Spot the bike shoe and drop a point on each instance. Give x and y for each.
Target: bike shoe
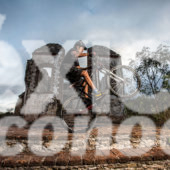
(98, 95)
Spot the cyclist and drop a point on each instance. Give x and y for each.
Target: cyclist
(75, 72)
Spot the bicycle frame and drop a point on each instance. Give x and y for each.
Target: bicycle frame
(108, 72)
(114, 76)
(104, 71)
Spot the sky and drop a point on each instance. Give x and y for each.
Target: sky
(124, 26)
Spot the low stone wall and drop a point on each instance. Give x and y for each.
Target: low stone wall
(151, 165)
(155, 158)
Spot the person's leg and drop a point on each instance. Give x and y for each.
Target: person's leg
(88, 79)
(85, 88)
(98, 94)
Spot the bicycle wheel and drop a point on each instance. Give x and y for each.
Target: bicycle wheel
(127, 85)
(72, 107)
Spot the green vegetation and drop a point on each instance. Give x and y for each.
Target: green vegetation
(154, 71)
(9, 112)
(159, 118)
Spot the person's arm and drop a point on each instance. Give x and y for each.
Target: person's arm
(86, 54)
(83, 55)
(79, 55)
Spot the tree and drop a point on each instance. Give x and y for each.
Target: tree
(153, 69)
(166, 81)
(10, 110)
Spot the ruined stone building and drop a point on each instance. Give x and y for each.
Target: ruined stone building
(41, 81)
(44, 85)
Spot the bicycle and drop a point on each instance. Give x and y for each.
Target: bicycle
(83, 105)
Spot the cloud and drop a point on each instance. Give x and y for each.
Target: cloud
(127, 47)
(2, 19)
(7, 100)
(11, 70)
(11, 76)
(32, 45)
(128, 50)
(128, 26)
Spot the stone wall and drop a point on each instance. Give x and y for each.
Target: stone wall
(154, 158)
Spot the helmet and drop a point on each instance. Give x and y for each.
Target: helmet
(80, 44)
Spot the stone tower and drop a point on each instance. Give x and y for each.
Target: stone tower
(41, 81)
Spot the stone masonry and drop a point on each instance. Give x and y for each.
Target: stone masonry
(39, 85)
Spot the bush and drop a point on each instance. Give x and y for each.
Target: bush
(159, 118)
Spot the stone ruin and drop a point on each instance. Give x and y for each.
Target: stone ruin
(39, 85)
(43, 80)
